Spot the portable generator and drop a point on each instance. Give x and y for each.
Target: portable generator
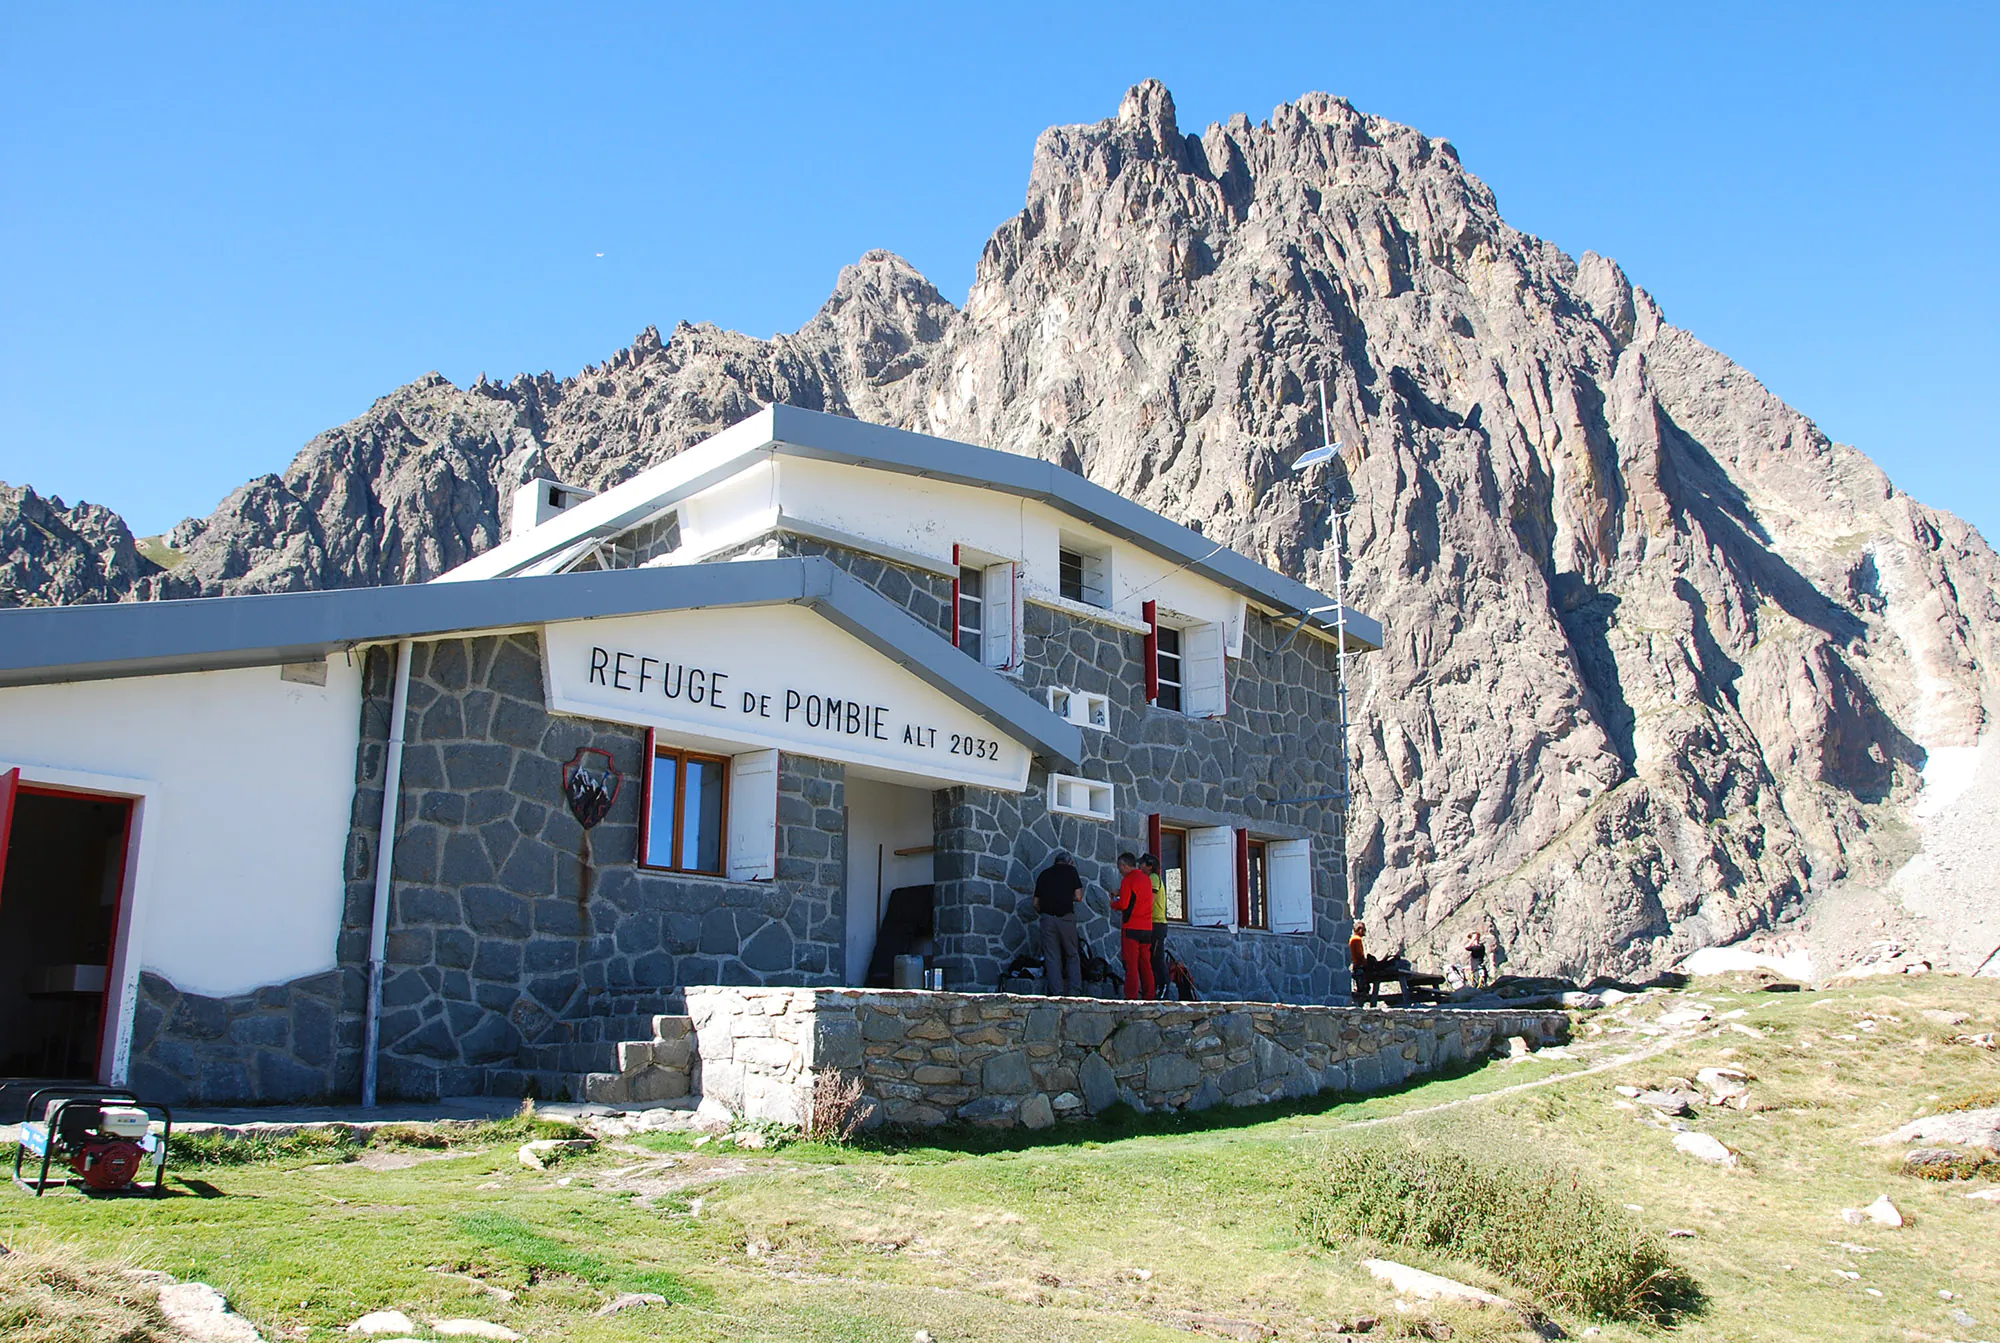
(105, 1137)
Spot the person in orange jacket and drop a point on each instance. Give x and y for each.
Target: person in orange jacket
(1134, 906)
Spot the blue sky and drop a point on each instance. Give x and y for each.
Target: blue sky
(223, 230)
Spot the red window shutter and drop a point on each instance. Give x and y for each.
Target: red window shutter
(10, 783)
(954, 594)
(1151, 611)
(1153, 834)
(646, 802)
(1242, 878)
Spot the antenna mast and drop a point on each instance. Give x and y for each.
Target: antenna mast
(1345, 794)
(1340, 511)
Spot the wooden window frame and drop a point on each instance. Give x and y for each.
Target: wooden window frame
(655, 753)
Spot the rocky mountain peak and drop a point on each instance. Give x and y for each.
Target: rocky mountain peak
(1662, 661)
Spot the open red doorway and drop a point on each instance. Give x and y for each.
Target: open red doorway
(62, 886)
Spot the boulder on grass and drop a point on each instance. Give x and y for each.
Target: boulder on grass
(1705, 1147)
(544, 1152)
(383, 1322)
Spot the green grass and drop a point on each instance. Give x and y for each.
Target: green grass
(1041, 1238)
(539, 1254)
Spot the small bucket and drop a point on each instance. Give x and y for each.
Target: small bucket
(934, 979)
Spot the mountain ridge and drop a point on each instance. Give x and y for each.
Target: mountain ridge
(1663, 659)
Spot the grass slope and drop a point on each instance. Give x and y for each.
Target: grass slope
(1144, 1233)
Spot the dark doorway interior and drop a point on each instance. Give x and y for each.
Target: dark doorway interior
(65, 870)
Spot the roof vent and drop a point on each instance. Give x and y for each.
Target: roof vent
(539, 500)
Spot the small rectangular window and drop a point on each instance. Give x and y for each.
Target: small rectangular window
(1169, 658)
(1083, 573)
(1257, 903)
(1069, 571)
(1081, 707)
(687, 803)
(1173, 872)
(1072, 796)
(972, 612)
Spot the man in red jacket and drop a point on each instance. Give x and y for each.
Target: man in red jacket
(1134, 906)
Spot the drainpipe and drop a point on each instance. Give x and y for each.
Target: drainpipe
(385, 857)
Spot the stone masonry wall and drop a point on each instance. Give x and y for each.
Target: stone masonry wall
(500, 962)
(502, 972)
(296, 1041)
(1002, 1060)
(923, 594)
(1276, 741)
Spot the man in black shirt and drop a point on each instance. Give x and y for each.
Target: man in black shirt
(1056, 894)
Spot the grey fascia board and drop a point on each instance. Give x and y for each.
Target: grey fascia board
(867, 615)
(79, 643)
(837, 438)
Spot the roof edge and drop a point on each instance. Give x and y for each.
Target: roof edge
(54, 645)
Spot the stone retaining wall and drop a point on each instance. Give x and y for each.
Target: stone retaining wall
(1001, 1060)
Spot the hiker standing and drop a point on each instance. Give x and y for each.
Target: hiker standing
(1151, 862)
(1363, 985)
(1056, 892)
(1134, 906)
(1476, 972)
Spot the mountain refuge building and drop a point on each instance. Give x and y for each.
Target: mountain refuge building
(808, 695)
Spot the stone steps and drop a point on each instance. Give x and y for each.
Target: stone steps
(660, 1070)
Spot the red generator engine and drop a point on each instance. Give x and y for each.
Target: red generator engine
(105, 1137)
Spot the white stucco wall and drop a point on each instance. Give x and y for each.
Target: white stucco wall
(930, 516)
(251, 783)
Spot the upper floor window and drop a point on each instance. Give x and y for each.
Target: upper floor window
(1186, 664)
(1083, 573)
(687, 806)
(986, 609)
(972, 612)
(1069, 570)
(1169, 657)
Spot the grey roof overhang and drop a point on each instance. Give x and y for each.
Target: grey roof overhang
(43, 645)
(836, 438)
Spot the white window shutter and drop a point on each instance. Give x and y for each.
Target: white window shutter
(1003, 616)
(1211, 869)
(1288, 880)
(753, 816)
(1203, 667)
